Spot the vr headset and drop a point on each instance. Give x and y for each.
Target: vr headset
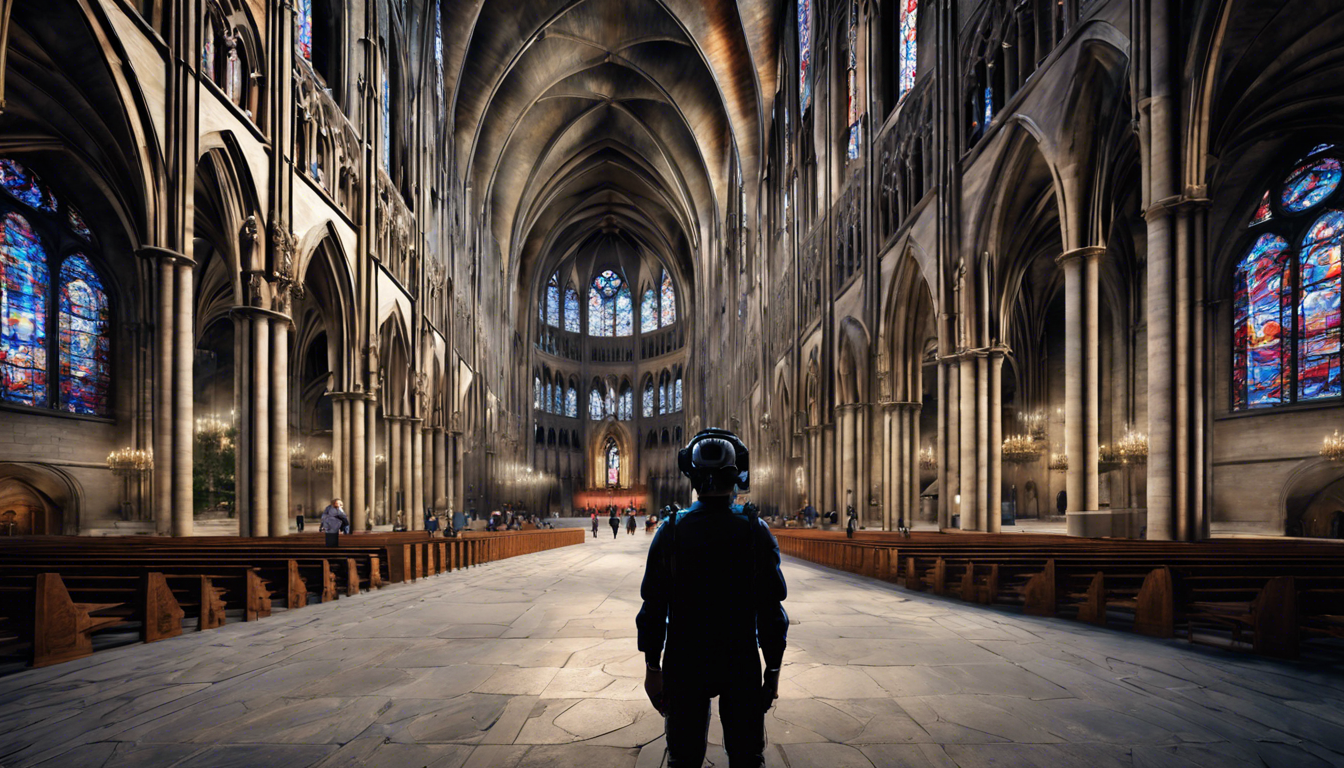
(715, 460)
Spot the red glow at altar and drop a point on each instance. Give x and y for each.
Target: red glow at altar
(601, 498)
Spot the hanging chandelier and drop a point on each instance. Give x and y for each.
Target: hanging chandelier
(1059, 462)
(1132, 448)
(1333, 447)
(928, 461)
(1020, 449)
(130, 462)
(298, 456)
(324, 464)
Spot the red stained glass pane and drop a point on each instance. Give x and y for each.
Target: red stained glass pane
(1262, 213)
(1261, 307)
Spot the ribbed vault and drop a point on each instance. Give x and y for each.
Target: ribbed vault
(577, 116)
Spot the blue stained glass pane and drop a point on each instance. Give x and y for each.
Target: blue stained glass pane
(625, 313)
(546, 397)
(648, 399)
(625, 409)
(1261, 303)
(989, 104)
(648, 312)
(662, 399)
(24, 283)
(536, 392)
(23, 184)
(669, 300)
(387, 122)
(853, 151)
(571, 309)
(572, 402)
(553, 303)
(1319, 309)
(304, 20)
(595, 405)
(598, 323)
(559, 398)
(1310, 184)
(908, 45)
(677, 397)
(804, 54)
(1316, 150)
(85, 344)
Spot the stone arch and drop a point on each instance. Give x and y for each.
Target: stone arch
(597, 456)
(50, 498)
(1314, 486)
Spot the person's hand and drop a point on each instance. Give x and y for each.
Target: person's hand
(769, 689)
(653, 687)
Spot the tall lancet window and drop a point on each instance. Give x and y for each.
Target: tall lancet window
(669, 300)
(571, 309)
(303, 32)
(852, 82)
(909, 48)
(613, 462)
(553, 301)
(648, 312)
(804, 55)
(610, 309)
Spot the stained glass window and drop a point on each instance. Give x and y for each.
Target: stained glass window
(208, 47)
(595, 405)
(989, 105)
(676, 398)
(559, 401)
(613, 462)
(1261, 311)
(536, 392)
(304, 21)
(24, 284)
(625, 407)
(546, 397)
(648, 399)
(1316, 150)
(571, 309)
(804, 54)
(85, 344)
(648, 312)
(625, 313)
(1318, 309)
(387, 122)
(610, 312)
(77, 222)
(553, 301)
(572, 402)
(852, 82)
(1310, 184)
(909, 48)
(1262, 212)
(438, 52)
(668, 300)
(25, 187)
(662, 397)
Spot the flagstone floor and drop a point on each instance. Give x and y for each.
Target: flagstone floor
(532, 662)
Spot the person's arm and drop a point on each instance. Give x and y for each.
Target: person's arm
(772, 622)
(651, 622)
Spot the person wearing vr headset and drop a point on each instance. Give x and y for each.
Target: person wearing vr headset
(712, 591)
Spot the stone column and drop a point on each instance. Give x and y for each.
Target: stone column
(359, 493)
(441, 469)
(173, 418)
(993, 443)
(845, 460)
(457, 481)
(370, 449)
(969, 465)
(338, 439)
(948, 449)
(418, 473)
(407, 473)
(1081, 386)
(279, 427)
(256, 404)
(394, 461)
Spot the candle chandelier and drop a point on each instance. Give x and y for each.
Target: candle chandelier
(130, 462)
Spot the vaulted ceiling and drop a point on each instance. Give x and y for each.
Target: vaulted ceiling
(572, 117)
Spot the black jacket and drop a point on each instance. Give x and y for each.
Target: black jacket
(723, 595)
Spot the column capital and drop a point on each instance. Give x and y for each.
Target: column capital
(1193, 199)
(1079, 254)
(902, 405)
(242, 310)
(165, 254)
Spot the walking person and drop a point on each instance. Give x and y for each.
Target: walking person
(615, 523)
(712, 581)
(630, 524)
(334, 520)
(594, 524)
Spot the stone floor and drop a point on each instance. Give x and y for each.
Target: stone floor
(532, 662)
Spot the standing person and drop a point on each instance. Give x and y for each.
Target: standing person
(713, 581)
(614, 522)
(334, 520)
(594, 524)
(630, 525)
